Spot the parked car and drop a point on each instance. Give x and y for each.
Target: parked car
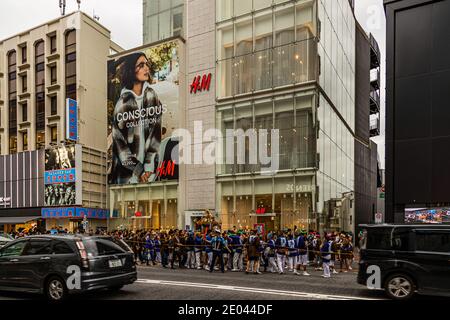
(49, 264)
(4, 239)
(411, 259)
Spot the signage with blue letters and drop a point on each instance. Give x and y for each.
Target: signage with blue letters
(72, 119)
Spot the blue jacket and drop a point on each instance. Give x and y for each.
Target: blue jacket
(198, 241)
(208, 247)
(292, 248)
(281, 245)
(236, 241)
(217, 244)
(325, 252)
(157, 245)
(301, 245)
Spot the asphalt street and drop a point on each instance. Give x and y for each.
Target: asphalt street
(157, 283)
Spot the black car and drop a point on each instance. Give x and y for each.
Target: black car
(411, 259)
(62, 264)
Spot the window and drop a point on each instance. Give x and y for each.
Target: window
(53, 77)
(53, 106)
(37, 247)
(270, 48)
(53, 44)
(40, 139)
(433, 241)
(400, 240)
(379, 239)
(24, 54)
(12, 143)
(54, 134)
(24, 84)
(24, 112)
(13, 250)
(25, 141)
(101, 247)
(60, 247)
(71, 64)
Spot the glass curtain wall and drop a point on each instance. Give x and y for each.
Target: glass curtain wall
(272, 47)
(162, 19)
(290, 114)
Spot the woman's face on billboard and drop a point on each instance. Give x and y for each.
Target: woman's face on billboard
(142, 69)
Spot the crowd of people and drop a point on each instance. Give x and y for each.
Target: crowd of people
(236, 250)
(239, 251)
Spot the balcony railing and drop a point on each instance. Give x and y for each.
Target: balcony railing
(267, 69)
(375, 127)
(375, 79)
(374, 102)
(375, 55)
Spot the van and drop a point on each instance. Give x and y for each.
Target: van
(410, 259)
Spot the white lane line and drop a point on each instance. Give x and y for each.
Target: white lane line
(253, 290)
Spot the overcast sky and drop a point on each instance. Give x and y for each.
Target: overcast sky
(124, 19)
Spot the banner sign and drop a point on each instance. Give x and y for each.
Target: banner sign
(60, 176)
(141, 146)
(72, 120)
(76, 213)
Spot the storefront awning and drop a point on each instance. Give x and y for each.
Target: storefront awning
(16, 220)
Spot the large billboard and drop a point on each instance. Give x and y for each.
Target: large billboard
(62, 176)
(143, 104)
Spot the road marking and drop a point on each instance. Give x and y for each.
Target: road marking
(253, 290)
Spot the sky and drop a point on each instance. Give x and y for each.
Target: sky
(124, 19)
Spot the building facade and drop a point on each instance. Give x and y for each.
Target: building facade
(286, 65)
(39, 70)
(417, 134)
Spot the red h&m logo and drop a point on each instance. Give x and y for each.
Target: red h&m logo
(167, 168)
(261, 211)
(201, 83)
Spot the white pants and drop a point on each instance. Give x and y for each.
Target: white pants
(158, 257)
(272, 265)
(237, 261)
(281, 259)
(326, 269)
(291, 263)
(210, 256)
(302, 260)
(198, 262)
(190, 262)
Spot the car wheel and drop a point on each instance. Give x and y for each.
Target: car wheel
(116, 288)
(399, 287)
(55, 289)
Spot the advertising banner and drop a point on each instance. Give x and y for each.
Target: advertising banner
(74, 213)
(62, 176)
(143, 104)
(72, 120)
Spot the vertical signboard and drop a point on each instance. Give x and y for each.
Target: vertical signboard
(62, 176)
(71, 120)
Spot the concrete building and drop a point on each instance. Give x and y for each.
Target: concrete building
(286, 65)
(39, 69)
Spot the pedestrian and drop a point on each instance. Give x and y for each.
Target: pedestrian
(208, 250)
(281, 252)
(302, 246)
(270, 250)
(217, 245)
(190, 242)
(198, 248)
(335, 248)
(252, 253)
(158, 249)
(292, 253)
(325, 251)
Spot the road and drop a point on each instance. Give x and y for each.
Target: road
(157, 283)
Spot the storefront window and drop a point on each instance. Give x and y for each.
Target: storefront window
(169, 220)
(130, 208)
(244, 122)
